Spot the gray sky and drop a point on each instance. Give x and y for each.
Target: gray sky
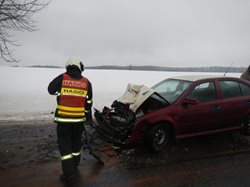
(140, 32)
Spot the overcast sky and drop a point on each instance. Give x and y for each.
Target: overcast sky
(140, 32)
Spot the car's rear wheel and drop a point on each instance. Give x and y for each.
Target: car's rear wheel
(157, 137)
(246, 126)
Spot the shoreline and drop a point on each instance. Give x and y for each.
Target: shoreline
(30, 118)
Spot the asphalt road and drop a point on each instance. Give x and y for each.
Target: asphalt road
(228, 170)
(214, 160)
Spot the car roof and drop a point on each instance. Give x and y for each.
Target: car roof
(193, 78)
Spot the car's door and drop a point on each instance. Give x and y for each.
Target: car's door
(235, 102)
(204, 116)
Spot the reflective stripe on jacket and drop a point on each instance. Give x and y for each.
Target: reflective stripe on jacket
(72, 100)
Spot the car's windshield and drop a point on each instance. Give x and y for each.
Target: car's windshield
(171, 89)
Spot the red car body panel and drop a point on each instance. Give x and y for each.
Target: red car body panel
(187, 120)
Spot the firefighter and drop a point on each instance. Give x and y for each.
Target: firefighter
(74, 99)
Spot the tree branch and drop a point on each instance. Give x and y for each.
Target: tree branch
(16, 15)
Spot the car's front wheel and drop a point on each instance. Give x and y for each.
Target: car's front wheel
(157, 137)
(246, 126)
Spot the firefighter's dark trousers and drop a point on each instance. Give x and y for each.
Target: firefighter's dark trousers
(69, 144)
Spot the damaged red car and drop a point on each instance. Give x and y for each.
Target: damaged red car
(176, 108)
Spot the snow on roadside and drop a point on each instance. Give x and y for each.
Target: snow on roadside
(24, 96)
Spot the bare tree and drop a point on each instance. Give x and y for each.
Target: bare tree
(15, 15)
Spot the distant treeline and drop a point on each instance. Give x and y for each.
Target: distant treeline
(40, 66)
(160, 68)
(183, 69)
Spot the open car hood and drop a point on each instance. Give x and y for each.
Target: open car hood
(135, 95)
(115, 124)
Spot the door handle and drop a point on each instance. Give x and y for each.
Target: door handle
(217, 108)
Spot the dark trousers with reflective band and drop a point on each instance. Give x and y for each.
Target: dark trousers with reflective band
(69, 144)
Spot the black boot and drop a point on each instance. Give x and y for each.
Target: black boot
(69, 180)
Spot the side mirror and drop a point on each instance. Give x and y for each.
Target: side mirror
(191, 101)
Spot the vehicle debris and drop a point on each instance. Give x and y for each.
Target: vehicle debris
(115, 124)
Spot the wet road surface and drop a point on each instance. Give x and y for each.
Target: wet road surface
(214, 160)
(227, 170)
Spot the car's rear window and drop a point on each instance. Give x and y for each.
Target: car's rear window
(230, 89)
(245, 89)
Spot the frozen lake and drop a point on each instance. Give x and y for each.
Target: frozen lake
(24, 95)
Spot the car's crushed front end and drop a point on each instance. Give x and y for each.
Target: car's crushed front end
(117, 124)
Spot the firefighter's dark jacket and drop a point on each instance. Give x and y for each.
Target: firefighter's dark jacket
(56, 84)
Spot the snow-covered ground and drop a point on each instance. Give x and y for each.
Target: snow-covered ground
(24, 95)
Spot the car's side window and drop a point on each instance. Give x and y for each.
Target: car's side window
(204, 92)
(230, 89)
(245, 89)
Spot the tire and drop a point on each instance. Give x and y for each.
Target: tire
(157, 137)
(246, 126)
